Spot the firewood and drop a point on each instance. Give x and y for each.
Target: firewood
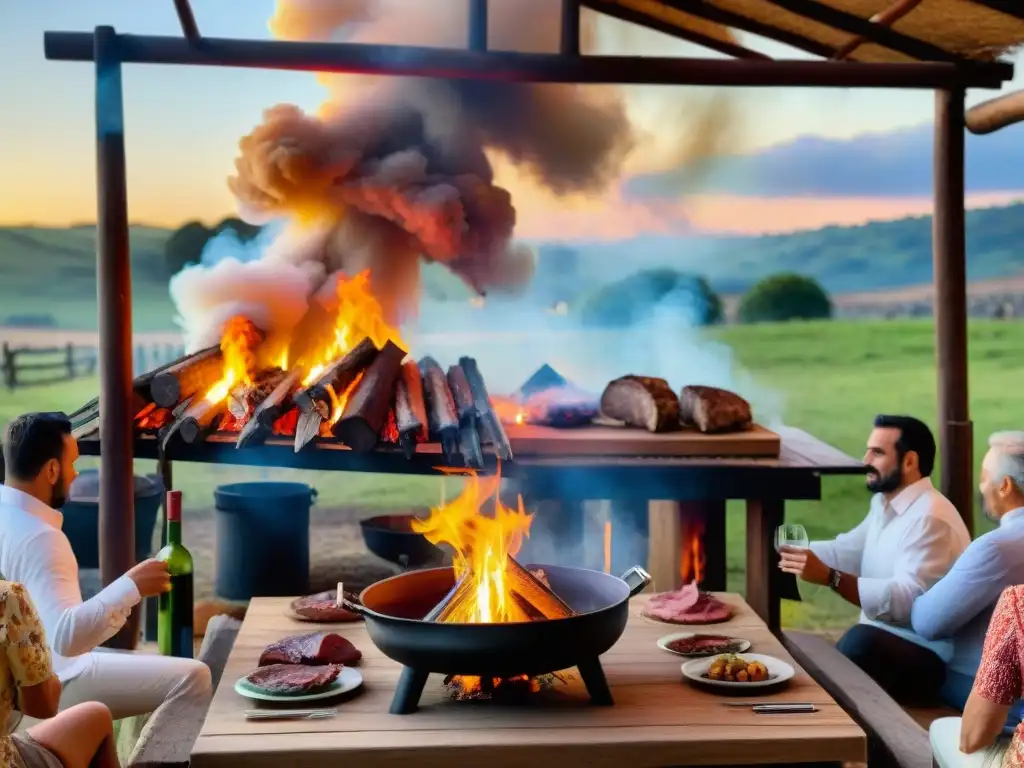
(244, 400)
(536, 592)
(469, 438)
(338, 377)
(190, 375)
(260, 425)
(441, 417)
(491, 429)
(410, 409)
(307, 428)
(457, 594)
(367, 407)
(197, 421)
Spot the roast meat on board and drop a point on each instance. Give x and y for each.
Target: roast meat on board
(646, 402)
(710, 409)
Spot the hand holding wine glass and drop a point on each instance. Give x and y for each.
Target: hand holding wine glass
(791, 536)
(793, 545)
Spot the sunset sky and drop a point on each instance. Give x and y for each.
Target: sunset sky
(183, 125)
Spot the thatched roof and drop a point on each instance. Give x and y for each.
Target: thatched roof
(915, 30)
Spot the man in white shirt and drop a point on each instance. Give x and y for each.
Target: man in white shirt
(40, 454)
(910, 538)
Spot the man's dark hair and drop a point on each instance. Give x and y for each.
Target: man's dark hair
(32, 440)
(914, 436)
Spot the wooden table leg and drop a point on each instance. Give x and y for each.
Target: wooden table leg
(763, 517)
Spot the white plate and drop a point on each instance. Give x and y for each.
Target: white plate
(778, 672)
(348, 680)
(741, 644)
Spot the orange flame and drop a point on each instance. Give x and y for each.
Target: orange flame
(691, 556)
(608, 546)
(238, 345)
(482, 544)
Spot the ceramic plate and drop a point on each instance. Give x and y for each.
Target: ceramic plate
(778, 672)
(348, 680)
(291, 613)
(740, 645)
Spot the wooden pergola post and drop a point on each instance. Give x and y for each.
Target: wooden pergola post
(955, 431)
(114, 294)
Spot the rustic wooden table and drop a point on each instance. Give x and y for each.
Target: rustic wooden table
(657, 720)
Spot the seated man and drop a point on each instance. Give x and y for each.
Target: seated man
(909, 539)
(40, 455)
(79, 737)
(960, 605)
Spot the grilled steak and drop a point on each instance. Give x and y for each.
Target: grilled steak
(687, 605)
(313, 649)
(291, 679)
(323, 608)
(642, 401)
(710, 409)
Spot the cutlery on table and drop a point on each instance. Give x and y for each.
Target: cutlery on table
(780, 708)
(289, 714)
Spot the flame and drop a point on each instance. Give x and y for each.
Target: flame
(608, 546)
(482, 544)
(691, 556)
(238, 345)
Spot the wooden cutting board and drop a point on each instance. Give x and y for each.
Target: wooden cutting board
(599, 440)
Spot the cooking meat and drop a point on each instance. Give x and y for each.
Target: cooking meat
(292, 679)
(561, 407)
(642, 401)
(323, 608)
(687, 605)
(313, 649)
(710, 409)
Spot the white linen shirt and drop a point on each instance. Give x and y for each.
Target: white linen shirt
(35, 552)
(897, 552)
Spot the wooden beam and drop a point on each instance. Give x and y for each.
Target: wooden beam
(1009, 7)
(991, 115)
(525, 67)
(950, 268)
(855, 25)
(187, 19)
(570, 42)
(886, 18)
(631, 16)
(114, 297)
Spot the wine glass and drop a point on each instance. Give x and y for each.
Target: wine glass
(791, 536)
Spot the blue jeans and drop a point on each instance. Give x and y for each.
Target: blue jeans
(957, 688)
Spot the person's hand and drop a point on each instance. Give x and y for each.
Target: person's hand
(803, 563)
(151, 577)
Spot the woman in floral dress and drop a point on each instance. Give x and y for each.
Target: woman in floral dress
(974, 739)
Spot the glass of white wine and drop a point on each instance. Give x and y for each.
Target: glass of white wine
(791, 536)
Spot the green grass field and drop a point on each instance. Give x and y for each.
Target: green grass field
(835, 375)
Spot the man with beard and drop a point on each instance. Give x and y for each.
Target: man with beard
(960, 605)
(909, 540)
(40, 454)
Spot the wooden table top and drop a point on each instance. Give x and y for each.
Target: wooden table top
(657, 720)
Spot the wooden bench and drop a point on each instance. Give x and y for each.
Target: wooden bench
(162, 736)
(897, 737)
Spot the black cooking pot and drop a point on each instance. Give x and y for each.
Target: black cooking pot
(392, 538)
(394, 609)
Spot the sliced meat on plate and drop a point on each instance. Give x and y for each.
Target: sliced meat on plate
(312, 649)
(687, 605)
(324, 608)
(291, 679)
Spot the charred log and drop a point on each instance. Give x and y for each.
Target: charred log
(441, 416)
(307, 428)
(389, 432)
(244, 400)
(193, 374)
(260, 425)
(469, 438)
(367, 408)
(197, 421)
(337, 378)
(410, 409)
(491, 429)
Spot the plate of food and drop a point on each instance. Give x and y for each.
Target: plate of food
(323, 608)
(700, 646)
(738, 671)
(296, 683)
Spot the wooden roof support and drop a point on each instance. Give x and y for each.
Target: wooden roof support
(187, 19)
(1009, 7)
(525, 67)
(886, 18)
(623, 13)
(991, 115)
(713, 13)
(875, 33)
(570, 39)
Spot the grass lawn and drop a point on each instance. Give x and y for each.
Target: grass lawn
(835, 376)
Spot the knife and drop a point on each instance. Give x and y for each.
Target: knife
(289, 714)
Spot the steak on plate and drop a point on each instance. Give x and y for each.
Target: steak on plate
(704, 645)
(646, 402)
(324, 608)
(687, 605)
(290, 679)
(710, 409)
(313, 649)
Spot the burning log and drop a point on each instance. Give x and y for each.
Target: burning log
(338, 377)
(245, 399)
(469, 438)
(198, 420)
(410, 409)
(196, 373)
(491, 428)
(367, 408)
(260, 425)
(441, 418)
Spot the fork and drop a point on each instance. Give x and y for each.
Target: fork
(289, 714)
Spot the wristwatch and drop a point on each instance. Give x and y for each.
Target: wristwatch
(834, 577)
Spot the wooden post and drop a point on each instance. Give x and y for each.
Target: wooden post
(570, 43)
(7, 365)
(114, 283)
(955, 431)
(763, 574)
(69, 360)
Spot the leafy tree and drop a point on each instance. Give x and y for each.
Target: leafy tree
(639, 296)
(243, 230)
(185, 246)
(786, 296)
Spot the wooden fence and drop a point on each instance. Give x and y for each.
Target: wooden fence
(36, 366)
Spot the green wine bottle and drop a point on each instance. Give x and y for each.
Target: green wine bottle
(174, 618)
